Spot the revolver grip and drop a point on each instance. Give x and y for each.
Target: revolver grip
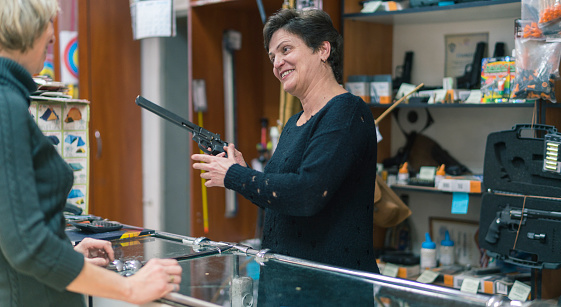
(493, 231)
(215, 148)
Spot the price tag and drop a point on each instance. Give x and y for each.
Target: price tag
(428, 277)
(519, 292)
(427, 172)
(437, 96)
(370, 7)
(390, 269)
(460, 201)
(404, 88)
(470, 285)
(474, 96)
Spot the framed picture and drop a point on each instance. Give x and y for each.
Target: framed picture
(460, 49)
(464, 233)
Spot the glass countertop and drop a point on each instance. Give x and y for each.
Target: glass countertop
(227, 274)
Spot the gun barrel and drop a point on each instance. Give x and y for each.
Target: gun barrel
(533, 213)
(204, 138)
(165, 114)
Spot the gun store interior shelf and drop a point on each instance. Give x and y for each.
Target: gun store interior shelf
(455, 105)
(414, 188)
(466, 11)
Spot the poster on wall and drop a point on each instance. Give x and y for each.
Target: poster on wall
(460, 49)
(65, 122)
(69, 57)
(152, 18)
(49, 66)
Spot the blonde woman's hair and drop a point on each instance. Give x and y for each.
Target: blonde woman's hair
(23, 21)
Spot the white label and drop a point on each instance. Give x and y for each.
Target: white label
(427, 172)
(428, 277)
(390, 270)
(519, 291)
(470, 285)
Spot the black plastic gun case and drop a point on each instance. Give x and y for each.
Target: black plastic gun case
(520, 218)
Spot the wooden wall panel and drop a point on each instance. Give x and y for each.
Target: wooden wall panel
(553, 117)
(208, 24)
(110, 79)
(368, 48)
(368, 51)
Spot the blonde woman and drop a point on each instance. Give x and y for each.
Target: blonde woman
(38, 265)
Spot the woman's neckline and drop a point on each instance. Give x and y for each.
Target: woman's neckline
(298, 124)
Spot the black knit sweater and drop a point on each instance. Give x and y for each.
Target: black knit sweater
(318, 188)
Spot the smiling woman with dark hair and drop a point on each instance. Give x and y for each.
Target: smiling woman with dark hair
(318, 187)
(38, 265)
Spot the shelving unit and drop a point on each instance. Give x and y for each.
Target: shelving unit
(372, 40)
(455, 105)
(467, 11)
(371, 37)
(404, 188)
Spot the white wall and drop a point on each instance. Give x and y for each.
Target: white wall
(165, 147)
(153, 53)
(427, 42)
(151, 135)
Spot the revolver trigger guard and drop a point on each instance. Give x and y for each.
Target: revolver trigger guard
(204, 149)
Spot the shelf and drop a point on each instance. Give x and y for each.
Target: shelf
(455, 105)
(415, 188)
(468, 11)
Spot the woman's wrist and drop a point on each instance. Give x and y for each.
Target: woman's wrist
(127, 290)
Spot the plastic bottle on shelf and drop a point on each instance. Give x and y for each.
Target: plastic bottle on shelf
(440, 174)
(403, 174)
(428, 253)
(447, 255)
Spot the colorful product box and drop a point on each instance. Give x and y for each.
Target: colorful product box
(497, 76)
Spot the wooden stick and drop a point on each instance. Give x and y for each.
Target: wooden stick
(396, 103)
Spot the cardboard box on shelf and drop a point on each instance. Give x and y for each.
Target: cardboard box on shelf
(460, 185)
(381, 89)
(403, 271)
(447, 273)
(359, 85)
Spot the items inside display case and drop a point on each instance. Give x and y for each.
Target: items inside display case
(229, 274)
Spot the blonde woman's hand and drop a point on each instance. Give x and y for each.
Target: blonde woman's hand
(155, 279)
(98, 252)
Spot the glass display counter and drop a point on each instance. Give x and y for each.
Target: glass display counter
(231, 274)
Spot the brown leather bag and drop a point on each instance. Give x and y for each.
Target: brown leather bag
(389, 209)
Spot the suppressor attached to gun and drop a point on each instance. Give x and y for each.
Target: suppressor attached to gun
(204, 138)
